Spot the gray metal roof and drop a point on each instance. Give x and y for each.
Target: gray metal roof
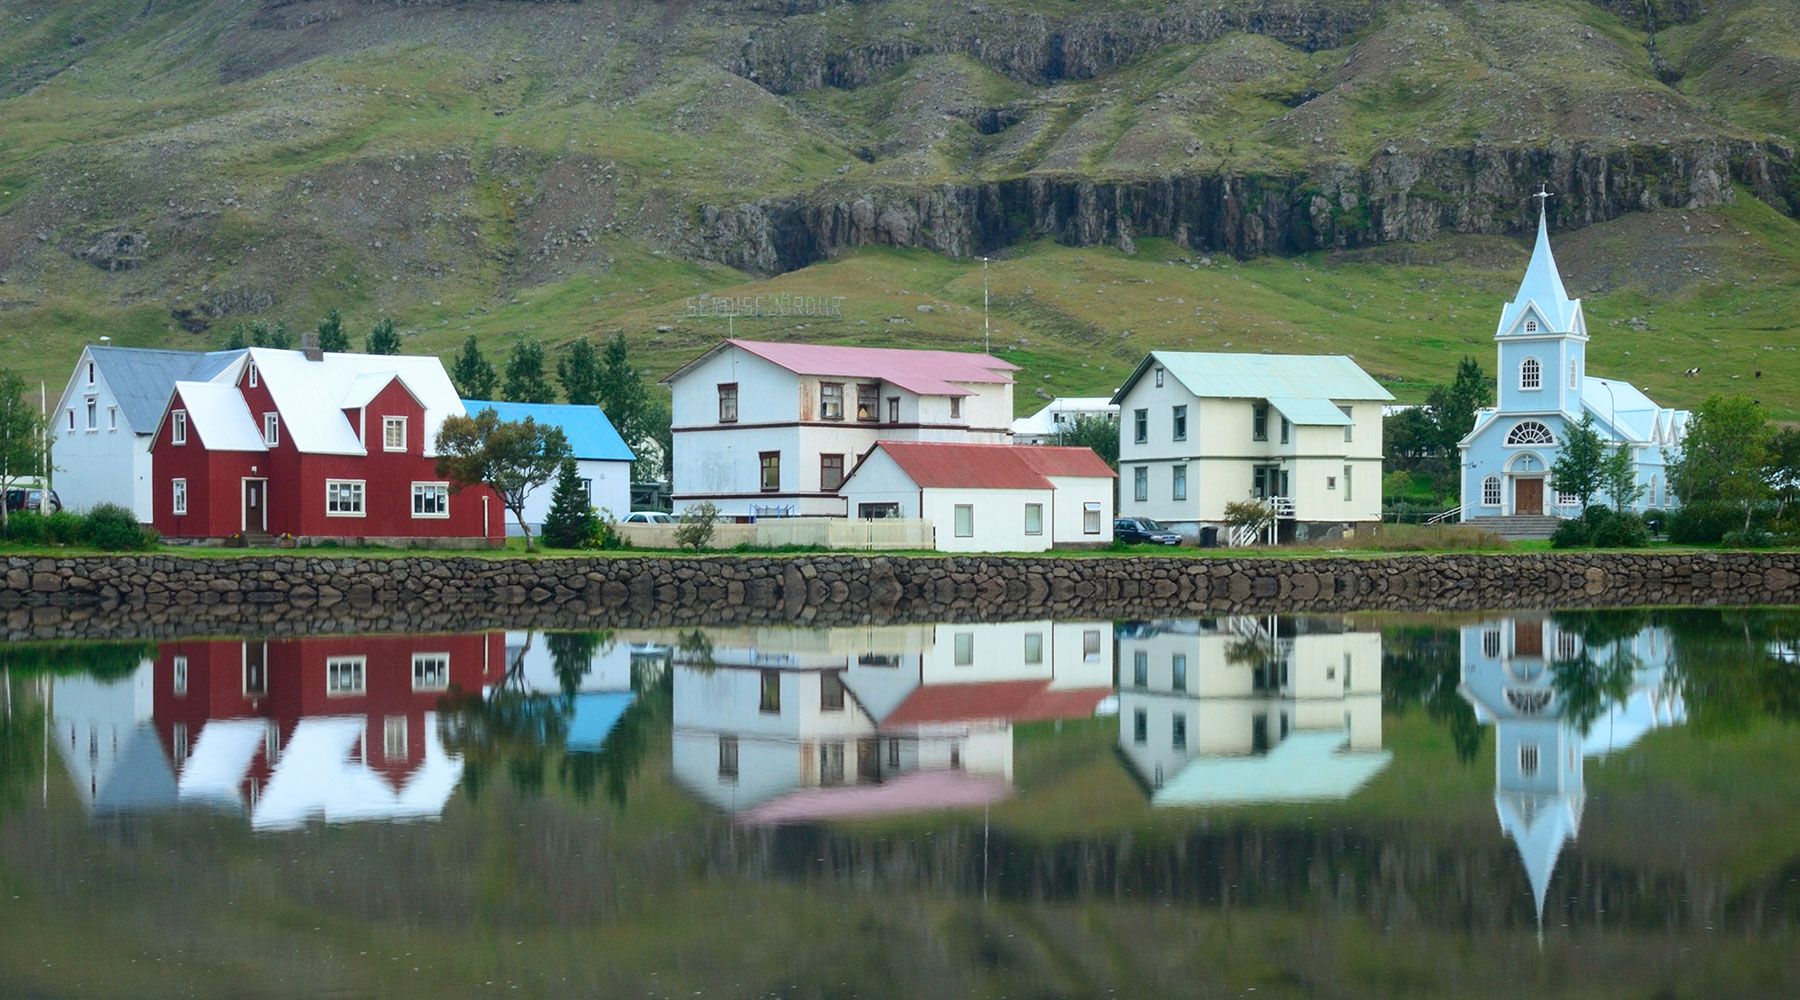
(1264, 376)
(141, 379)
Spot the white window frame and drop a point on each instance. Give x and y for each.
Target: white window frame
(112, 418)
(1531, 375)
(388, 424)
(178, 496)
(1034, 647)
(178, 427)
(963, 520)
(440, 488)
(1178, 418)
(1490, 491)
(963, 649)
(361, 488)
(1348, 493)
(1349, 428)
(1030, 509)
(250, 371)
(1528, 760)
(1140, 483)
(90, 373)
(431, 671)
(393, 737)
(271, 430)
(1573, 368)
(178, 680)
(1178, 481)
(1517, 434)
(93, 414)
(1531, 326)
(1331, 484)
(359, 668)
(1091, 517)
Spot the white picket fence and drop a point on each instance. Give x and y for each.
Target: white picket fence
(821, 532)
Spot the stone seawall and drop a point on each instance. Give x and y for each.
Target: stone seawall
(165, 595)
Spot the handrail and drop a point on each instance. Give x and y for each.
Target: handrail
(1454, 513)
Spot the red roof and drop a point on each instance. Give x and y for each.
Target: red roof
(937, 464)
(929, 373)
(1014, 701)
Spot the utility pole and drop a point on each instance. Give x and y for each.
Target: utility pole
(985, 329)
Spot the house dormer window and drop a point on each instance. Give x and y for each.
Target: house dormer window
(252, 375)
(271, 429)
(90, 373)
(831, 401)
(178, 427)
(1159, 378)
(393, 433)
(1531, 375)
(1531, 326)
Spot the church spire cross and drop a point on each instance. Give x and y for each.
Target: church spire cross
(1543, 196)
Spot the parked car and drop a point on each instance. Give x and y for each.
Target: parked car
(1143, 530)
(648, 517)
(30, 499)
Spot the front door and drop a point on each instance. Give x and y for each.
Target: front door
(256, 514)
(1528, 496)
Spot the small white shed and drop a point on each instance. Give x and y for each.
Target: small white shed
(987, 497)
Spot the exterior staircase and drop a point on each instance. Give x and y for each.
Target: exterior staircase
(258, 540)
(1518, 527)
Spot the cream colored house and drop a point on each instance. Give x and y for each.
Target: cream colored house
(771, 430)
(988, 497)
(1300, 432)
(1248, 709)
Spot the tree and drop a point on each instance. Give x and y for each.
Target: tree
(1618, 477)
(473, 373)
(382, 339)
(1410, 437)
(279, 337)
(1090, 431)
(655, 446)
(694, 529)
(331, 334)
(512, 457)
(525, 379)
(1453, 407)
(579, 372)
(1725, 456)
(256, 333)
(625, 400)
(21, 438)
(1784, 467)
(1579, 466)
(571, 521)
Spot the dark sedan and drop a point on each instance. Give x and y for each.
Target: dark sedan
(1142, 530)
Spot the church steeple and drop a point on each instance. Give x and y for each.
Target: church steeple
(1541, 293)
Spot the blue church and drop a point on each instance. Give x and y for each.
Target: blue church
(1543, 390)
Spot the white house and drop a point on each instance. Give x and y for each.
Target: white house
(1246, 709)
(987, 497)
(1543, 389)
(104, 421)
(1047, 425)
(1300, 432)
(770, 430)
(601, 455)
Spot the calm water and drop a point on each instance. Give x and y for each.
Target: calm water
(1583, 804)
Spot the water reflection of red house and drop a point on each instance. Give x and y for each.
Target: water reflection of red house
(366, 700)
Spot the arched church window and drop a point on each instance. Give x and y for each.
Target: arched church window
(1490, 643)
(1531, 326)
(1490, 491)
(1528, 759)
(1531, 374)
(1529, 432)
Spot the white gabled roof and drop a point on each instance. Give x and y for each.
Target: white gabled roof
(1322, 377)
(216, 412)
(313, 395)
(1043, 422)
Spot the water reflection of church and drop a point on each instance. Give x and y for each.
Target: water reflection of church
(1510, 672)
(287, 731)
(789, 724)
(1243, 709)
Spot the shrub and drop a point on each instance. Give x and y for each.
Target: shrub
(603, 534)
(1755, 538)
(64, 527)
(1572, 534)
(1705, 523)
(112, 528)
(1618, 530)
(695, 530)
(26, 527)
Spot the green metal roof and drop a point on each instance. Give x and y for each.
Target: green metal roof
(1309, 412)
(1265, 376)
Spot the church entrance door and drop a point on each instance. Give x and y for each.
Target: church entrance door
(1528, 496)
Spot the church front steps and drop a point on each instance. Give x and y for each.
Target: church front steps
(1518, 527)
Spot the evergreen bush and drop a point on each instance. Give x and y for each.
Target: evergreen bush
(571, 519)
(1705, 522)
(112, 528)
(26, 527)
(64, 527)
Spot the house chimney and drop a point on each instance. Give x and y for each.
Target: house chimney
(309, 346)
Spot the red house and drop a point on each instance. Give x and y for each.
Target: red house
(317, 446)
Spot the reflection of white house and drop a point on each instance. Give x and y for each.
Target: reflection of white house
(105, 733)
(1539, 783)
(785, 724)
(1047, 425)
(1243, 710)
(323, 773)
(987, 497)
(770, 429)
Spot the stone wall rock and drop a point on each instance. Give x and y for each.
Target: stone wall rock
(166, 595)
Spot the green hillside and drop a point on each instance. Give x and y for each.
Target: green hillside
(168, 170)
